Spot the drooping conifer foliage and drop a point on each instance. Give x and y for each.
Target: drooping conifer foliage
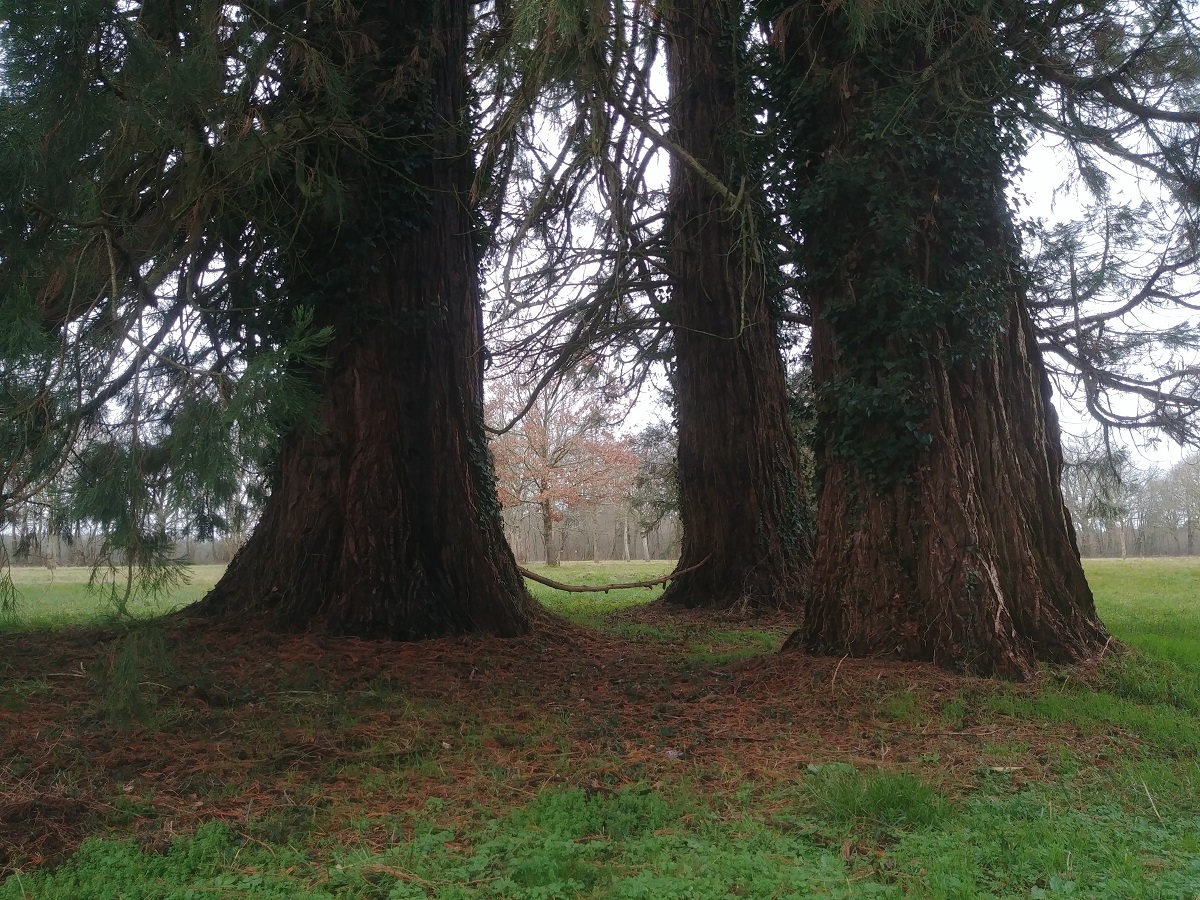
(241, 235)
(239, 242)
(1112, 292)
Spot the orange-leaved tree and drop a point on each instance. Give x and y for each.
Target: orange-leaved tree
(562, 456)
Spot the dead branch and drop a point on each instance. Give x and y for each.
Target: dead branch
(605, 588)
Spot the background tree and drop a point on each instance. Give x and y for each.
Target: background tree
(1186, 477)
(1098, 484)
(741, 489)
(254, 220)
(655, 492)
(561, 457)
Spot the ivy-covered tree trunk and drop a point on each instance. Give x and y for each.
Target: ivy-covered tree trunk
(383, 521)
(942, 533)
(971, 561)
(740, 482)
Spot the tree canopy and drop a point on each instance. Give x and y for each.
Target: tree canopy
(243, 249)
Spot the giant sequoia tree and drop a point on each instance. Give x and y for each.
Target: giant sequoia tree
(247, 227)
(685, 277)
(741, 488)
(942, 533)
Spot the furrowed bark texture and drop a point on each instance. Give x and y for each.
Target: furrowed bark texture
(740, 480)
(973, 564)
(942, 534)
(384, 522)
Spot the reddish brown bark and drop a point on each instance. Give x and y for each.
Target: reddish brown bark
(973, 562)
(385, 522)
(941, 534)
(739, 469)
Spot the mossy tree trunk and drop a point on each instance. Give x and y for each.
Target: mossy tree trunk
(970, 562)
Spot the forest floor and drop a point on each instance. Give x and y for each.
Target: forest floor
(619, 750)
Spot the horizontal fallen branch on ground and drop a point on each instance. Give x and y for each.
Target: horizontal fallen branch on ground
(605, 588)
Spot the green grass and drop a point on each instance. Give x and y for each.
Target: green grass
(1055, 840)
(843, 796)
(1098, 711)
(1042, 815)
(718, 646)
(698, 643)
(62, 598)
(1153, 607)
(565, 843)
(1152, 604)
(846, 834)
(594, 608)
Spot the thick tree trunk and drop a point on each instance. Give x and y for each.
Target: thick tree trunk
(741, 488)
(383, 521)
(942, 532)
(971, 563)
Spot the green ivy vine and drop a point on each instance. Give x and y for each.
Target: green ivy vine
(898, 134)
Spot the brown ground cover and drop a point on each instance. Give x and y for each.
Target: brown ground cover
(341, 739)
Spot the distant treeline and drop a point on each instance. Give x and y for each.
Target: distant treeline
(607, 532)
(1122, 510)
(87, 548)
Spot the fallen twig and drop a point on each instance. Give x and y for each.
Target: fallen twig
(1153, 805)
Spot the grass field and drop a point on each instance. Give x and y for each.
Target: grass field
(1153, 604)
(628, 753)
(59, 598)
